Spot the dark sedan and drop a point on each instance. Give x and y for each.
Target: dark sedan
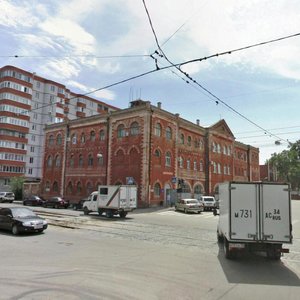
(56, 202)
(33, 200)
(20, 219)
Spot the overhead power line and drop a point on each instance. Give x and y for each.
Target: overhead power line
(72, 56)
(217, 100)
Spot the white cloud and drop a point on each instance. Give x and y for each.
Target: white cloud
(103, 94)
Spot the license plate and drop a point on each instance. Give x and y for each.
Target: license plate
(236, 245)
(38, 226)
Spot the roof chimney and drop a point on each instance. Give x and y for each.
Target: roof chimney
(198, 122)
(159, 105)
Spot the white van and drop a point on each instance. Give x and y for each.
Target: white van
(209, 202)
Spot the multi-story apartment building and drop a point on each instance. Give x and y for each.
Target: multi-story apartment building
(27, 103)
(160, 152)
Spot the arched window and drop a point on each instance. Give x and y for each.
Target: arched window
(182, 139)
(90, 160)
(51, 140)
(47, 186)
(214, 147)
(198, 189)
(189, 141)
(121, 131)
(102, 135)
(80, 160)
(89, 188)
(168, 159)
(168, 133)
(72, 161)
(78, 188)
(55, 187)
(49, 161)
(201, 166)
(180, 160)
(92, 136)
(195, 165)
(157, 189)
(74, 139)
(215, 167)
(219, 169)
(57, 161)
(82, 138)
(134, 128)
(58, 140)
(157, 129)
(157, 153)
(100, 159)
(188, 164)
(120, 156)
(70, 188)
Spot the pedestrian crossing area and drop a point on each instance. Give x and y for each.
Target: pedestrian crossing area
(206, 214)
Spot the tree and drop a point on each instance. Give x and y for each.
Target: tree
(286, 165)
(16, 184)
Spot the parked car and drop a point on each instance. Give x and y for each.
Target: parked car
(33, 200)
(189, 205)
(56, 202)
(7, 197)
(21, 219)
(209, 202)
(79, 205)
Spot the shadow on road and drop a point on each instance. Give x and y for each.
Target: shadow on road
(256, 269)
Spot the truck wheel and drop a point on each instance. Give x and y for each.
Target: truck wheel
(100, 212)
(220, 237)
(273, 252)
(85, 211)
(123, 214)
(109, 214)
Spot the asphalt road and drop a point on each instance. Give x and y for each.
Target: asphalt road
(153, 255)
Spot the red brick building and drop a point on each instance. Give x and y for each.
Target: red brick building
(157, 149)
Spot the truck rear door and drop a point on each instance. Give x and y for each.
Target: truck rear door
(244, 224)
(276, 213)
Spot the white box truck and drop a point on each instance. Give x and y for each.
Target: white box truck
(254, 217)
(112, 200)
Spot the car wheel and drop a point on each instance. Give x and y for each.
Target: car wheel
(185, 211)
(15, 230)
(56, 206)
(24, 203)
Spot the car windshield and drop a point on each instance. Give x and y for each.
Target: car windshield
(22, 212)
(208, 199)
(191, 201)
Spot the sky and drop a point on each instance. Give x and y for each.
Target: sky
(94, 44)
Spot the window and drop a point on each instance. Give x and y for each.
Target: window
(55, 187)
(51, 140)
(218, 148)
(189, 141)
(219, 169)
(134, 128)
(121, 131)
(74, 139)
(224, 150)
(180, 162)
(195, 165)
(168, 159)
(157, 153)
(188, 164)
(214, 167)
(92, 136)
(182, 139)
(59, 139)
(201, 166)
(90, 160)
(57, 161)
(79, 188)
(102, 135)
(80, 160)
(157, 129)
(72, 161)
(100, 160)
(82, 138)
(214, 147)
(31, 160)
(168, 133)
(49, 161)
(157, 190)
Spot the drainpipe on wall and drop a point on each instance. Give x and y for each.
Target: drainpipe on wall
(207, 164)
(150, 155)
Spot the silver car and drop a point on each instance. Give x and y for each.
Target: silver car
(189, 205)
(209, 202)
(7, 197)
